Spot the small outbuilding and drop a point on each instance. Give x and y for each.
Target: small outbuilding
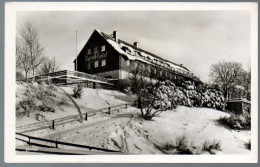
(238, 106)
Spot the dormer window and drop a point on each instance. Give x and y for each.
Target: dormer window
(128, 51)
(138, 54)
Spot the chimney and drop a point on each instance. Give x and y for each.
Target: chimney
(136, 44)
(115, 35)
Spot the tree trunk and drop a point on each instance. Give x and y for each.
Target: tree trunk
(142, 112)
(26, 76)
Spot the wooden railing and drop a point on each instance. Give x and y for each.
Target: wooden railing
(53, 123)
(71, 73)
(35, 141)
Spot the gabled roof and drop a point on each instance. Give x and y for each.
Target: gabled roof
(142, 55)
(145, 56)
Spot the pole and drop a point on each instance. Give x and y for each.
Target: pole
(76, 62)
(53, 126)
(86, 117)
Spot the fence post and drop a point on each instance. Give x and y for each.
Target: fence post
(29, 141)
(109, 110)
(53, 125)
(86, 116)
(56, 143)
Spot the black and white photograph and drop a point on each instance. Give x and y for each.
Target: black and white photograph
(131, 82)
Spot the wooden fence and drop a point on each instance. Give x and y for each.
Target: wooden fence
(34, 141)
(67, 77)
(59, 121)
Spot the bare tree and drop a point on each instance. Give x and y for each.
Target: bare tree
(139, 77)
(226, 75)
(18, 54)
(48, 65)
(22, 58)
(29, 51)
(245, 81)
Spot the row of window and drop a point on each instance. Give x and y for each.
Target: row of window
(134, 64)
(150, 69)
(155, 61)
(97, 63)
(97, 49)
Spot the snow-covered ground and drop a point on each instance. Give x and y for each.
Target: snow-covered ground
(127, 132)
(92, 99)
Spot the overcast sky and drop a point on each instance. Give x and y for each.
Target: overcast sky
(195, 39)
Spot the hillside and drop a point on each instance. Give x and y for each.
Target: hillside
(124, 130)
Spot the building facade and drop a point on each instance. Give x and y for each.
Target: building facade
(107, 56)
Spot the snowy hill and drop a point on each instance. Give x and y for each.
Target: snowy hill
(126, 131)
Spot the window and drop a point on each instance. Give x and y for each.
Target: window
(95, 49)
(103, 62)
(89, 51)
(161, 73)
(96, 64)
(89, 65)
(103, 48)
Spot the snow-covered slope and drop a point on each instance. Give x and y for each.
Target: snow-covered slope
(92, 99)
(127, 132)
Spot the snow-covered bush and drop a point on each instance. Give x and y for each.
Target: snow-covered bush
(39, 117)
(46, 108)
(240, 122)
(189, 95)
(125, 86)
(211, 147)
(248, 145)
(157, 98)
(165, 95)
(36, 97)
(202, 96)
(25, 107)
(63, 101)
(184, 146)
(77, 91)
(181, 146)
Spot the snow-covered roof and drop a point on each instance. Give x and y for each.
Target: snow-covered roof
(238, 100)
(141, 55)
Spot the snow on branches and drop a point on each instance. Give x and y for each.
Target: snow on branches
(166, 95)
